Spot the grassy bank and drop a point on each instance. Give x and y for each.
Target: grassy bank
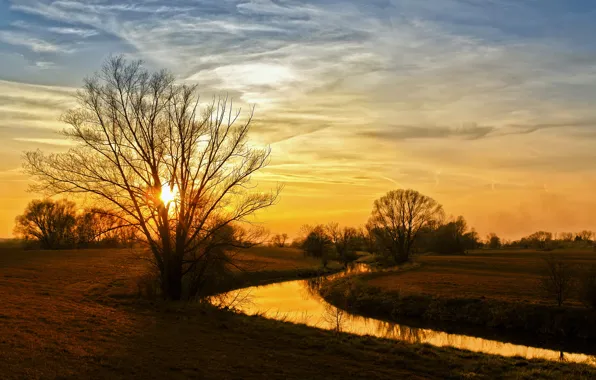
(496, 290)
(267, 265)
(64, 316)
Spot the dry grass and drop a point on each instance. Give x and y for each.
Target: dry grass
(273, 258)
(68, 314)
(511, 276)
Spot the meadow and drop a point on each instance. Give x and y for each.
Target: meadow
(76, 314)
(504, 275)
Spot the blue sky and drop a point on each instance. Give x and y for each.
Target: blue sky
(476, 102)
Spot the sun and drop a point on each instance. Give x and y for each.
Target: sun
(167, 194)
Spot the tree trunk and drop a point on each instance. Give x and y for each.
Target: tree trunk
(171, 279)
(402, 253)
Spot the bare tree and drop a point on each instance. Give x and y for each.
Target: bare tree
(493, 241)
(155, 159)
(96, 225)
(51, 223)
(566, 236)
(344, 240)
(540, 239)
(317, 243)
(558, 280)
(585, 235)
(369, 238)
(397, 218)
(334, 318)
(279, 240)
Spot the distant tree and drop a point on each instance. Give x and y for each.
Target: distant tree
(585, 235)
(558, 280)
(345, 241)
(280, 240)
(98, 226)
(471, 240)
(540, 239)
(566, 236)
(493, 241)
(398, 216)
(51, 223)
(317, 243)
(176, 171)
(369, 239)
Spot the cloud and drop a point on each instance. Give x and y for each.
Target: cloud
(37, 45)
(411, 132)
(79, 32)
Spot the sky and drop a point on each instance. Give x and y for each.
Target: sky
(488, 106)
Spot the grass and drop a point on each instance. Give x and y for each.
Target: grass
(510, 276)
(70, 314)
(266, 265)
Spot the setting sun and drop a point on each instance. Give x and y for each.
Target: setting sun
(168, 194)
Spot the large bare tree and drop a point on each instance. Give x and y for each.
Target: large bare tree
(398, 216)
(176, 171)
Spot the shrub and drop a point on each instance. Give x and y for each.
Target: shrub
(558, 280)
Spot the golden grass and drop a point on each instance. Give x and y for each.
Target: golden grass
(273, 258)
(504, 275)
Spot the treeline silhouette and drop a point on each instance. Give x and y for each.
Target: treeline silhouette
(543, 240)
(49, 224)
(404, 222)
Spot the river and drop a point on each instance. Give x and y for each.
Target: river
(299, 302)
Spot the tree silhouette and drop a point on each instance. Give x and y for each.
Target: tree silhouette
(317, 243)
(558, 280)
(345, 240)
(279, 240)
(155, 159)
(398, 216)
(493, 241)
(51, 223)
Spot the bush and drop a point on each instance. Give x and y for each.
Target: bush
(558, 280)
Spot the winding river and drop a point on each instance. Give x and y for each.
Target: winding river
(299, 302)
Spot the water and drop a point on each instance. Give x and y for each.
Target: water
(299, 302)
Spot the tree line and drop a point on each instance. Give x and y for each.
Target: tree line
(50, 224)
(402, 222)
(543, 240)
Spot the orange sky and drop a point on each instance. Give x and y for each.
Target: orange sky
(495, 121)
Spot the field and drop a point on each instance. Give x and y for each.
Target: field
(511, 276)
(277, 259)
(74, 314)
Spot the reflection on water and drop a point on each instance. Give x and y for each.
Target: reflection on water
(300, 302)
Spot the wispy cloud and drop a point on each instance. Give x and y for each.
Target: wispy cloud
(84, 33)
(37, 45)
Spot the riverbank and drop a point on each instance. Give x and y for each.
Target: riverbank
(422, 293)
(64, 316)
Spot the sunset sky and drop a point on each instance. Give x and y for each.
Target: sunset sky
(488, 106)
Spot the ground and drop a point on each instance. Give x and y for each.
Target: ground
(504, 275)
(73, 314)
